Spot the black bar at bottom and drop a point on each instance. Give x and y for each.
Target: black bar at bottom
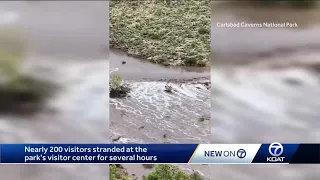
(306, 154)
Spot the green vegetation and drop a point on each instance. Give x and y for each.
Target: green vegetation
(19, 93)
(117, 172)
(161, 172)
(170, 172)
(168, 32)
(12, 51)
(117, 88)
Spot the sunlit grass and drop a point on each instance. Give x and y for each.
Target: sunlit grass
(12, 53)
(163, 32)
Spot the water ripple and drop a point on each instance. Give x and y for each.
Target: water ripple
(174, 114)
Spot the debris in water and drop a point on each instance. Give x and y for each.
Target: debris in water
(168, 88)
(165, 136)
(293, 81)
(204, 118)
(148, 166)
(116, 139)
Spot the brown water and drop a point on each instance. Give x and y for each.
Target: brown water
(137, 70)
(65, 42)
(150, 113)
(263, 87)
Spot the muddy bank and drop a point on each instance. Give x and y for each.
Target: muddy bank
(136, 69)
(264, 88)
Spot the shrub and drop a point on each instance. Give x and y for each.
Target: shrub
(117, 88)
(170, 172)
(117, 172)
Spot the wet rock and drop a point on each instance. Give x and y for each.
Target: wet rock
(148, 166)
(204, 118)
(120, 92)
(24, 96)
(168, 89)
(293, 81)
(116, 138)
(119, 166)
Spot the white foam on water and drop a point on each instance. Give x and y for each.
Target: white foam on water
(175, 113)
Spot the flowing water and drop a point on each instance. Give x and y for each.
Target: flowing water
(265, 85)
(151, 115)
(67, 46)
(65, 42)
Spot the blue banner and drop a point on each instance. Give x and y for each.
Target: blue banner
(97, 153)
(161, 153)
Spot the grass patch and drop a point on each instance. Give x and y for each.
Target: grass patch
(117, 172)
(12, 52)
(118, 89)
(162, 31)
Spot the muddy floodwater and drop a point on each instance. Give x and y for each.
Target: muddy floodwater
(152, 115)
(265, 85)
(66, 45)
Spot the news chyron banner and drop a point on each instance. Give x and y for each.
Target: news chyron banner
(160, 153)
